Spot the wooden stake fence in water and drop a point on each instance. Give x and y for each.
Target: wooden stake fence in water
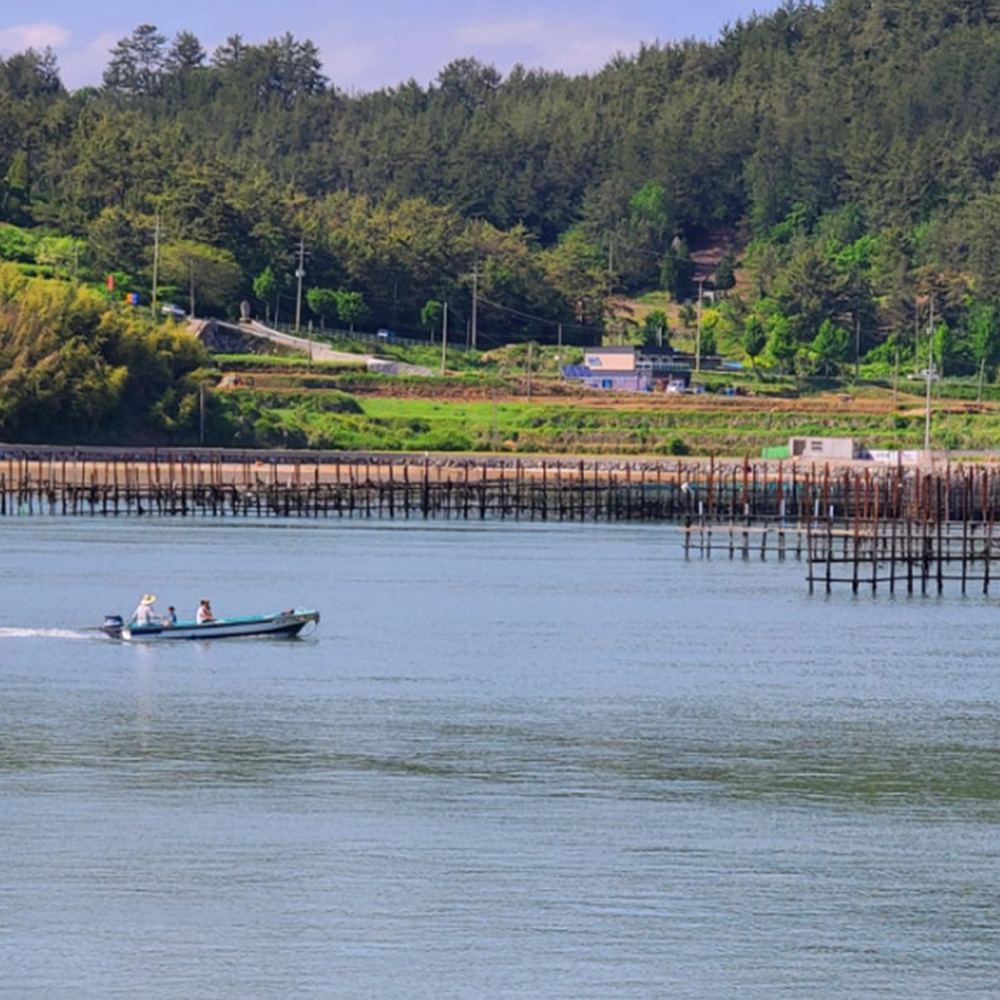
(864, 526)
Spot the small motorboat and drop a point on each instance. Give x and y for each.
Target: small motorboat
(277, 623)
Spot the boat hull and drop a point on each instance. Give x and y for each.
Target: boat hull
(282, 623)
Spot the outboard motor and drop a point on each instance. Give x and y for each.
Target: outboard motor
(113, 625)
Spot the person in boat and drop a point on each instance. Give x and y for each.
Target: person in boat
(170, 618)
(204, 612)
(145, 613)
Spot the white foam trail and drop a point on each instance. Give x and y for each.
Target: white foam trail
(44, 633)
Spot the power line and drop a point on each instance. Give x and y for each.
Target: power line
(541, 319)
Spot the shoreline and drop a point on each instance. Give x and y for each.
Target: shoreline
(86, 466)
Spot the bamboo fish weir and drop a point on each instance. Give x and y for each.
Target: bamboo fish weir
(859, 524)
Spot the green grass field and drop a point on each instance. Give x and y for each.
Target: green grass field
(339, 420)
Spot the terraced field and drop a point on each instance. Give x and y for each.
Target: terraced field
(519, 415)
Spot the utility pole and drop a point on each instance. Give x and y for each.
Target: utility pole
(697, 345)
(191, 280)
(927, 412)
(857, 345)
(928, 376)
(300, 273)
(156, 261)
(496, 422)
(201, 413)
(444, 338)
(475, 300)
(895, 379)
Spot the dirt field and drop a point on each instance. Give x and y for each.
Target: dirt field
(875, 403)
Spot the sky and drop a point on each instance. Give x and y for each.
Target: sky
(377, 43)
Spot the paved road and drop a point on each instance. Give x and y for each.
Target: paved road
(320, 352)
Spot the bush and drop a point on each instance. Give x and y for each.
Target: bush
(445, 439)
(331, 402)
(17, 244)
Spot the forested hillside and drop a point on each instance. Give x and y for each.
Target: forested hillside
(851, 149)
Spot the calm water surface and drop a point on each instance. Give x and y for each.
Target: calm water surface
(514, 761)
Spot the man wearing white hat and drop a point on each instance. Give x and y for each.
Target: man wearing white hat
(144, 614)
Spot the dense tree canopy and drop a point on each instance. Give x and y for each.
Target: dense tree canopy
(852, 146)
(72, 364)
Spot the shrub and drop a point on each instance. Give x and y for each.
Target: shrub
(445, 439)
(332, 402)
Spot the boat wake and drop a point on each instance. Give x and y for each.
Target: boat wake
(40, 633)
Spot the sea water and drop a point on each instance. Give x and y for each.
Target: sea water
(513, 761)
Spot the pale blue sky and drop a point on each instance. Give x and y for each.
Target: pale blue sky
(367, 45)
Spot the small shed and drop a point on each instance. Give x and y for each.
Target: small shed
(822, 447)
